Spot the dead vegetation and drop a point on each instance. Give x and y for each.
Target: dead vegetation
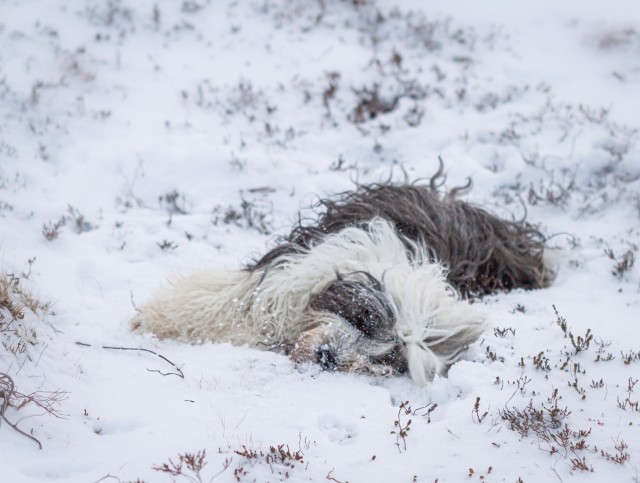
(174, 202)
(623, 264)
(17, 302)
(620, 38)
(402, 427)
(255, 212)
(20, 316)
(45, 401)
(189, 467)
(52, 229)
(415, 64)
(283, 464)
(550, 422)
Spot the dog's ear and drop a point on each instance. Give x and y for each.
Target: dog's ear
(423, 363)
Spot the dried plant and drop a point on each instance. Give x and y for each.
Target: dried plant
(20, 311)
(11, 398)
(498, 332)
(402, 428)
(51, 230)
(621, 456)
(80, 223)
(579, 343)
(16, 302)
(541, 421)
(190, 466)
(173, 202)
(628, 403)
(254, 214)
(475, 412)
(280, 459)
(623, 264)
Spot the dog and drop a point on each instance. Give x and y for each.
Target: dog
(379, 283)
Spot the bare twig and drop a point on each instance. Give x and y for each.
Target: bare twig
(179, 372)
(7, 392)
(331, 478)
(402, 430)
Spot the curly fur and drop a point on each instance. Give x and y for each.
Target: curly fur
(482, 253)
(267, 307)
(373, 286)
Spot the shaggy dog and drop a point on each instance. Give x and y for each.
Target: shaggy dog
(376, 284)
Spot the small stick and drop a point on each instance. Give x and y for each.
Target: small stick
(14, 426)
(331, 478)
(179, 373)
(7, 391)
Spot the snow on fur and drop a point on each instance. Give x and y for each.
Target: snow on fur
(267, 307)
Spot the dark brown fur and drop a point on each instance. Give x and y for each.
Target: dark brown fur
(483, 253)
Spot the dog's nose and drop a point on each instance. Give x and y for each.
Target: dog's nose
(308, 347)
(326, 358)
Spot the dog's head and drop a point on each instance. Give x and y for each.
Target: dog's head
(409, 320)
(352, 327)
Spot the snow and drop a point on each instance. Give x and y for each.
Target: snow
(204, 127)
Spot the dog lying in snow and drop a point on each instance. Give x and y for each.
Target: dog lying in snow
(374, 285)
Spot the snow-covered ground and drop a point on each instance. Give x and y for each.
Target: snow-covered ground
(141, 139)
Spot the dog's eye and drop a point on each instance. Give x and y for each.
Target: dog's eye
(326, 358)
(360, 303)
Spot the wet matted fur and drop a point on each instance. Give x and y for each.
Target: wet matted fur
(376, 284)
(482, 253)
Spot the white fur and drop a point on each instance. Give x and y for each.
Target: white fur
(266, 308)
